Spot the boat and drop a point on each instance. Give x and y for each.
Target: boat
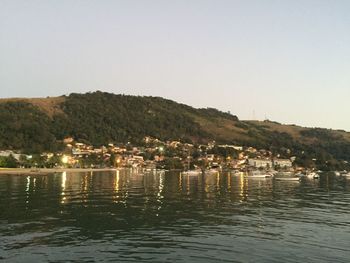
(257, 174)
(192, 172)
(285, 174)
(300, 174)
(287, 178)
(347, 175)
(273, 172)
(313, 175)
(337, 173)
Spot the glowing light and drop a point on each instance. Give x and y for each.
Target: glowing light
(218, 180)
(34, 184)
(28, 184)
(65, 159)
(64, 179)
(180, 181)
(63, 185)
(160, 187)
(116, 181)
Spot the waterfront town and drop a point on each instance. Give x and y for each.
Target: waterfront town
(153, 154)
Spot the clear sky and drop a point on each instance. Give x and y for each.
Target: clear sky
(288, 61)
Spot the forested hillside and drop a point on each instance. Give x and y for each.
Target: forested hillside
(36, 125)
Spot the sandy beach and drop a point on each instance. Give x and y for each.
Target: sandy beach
(28, 171)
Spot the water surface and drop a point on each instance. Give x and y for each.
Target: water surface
(129, 216)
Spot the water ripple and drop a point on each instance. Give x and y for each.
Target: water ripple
(157, 217)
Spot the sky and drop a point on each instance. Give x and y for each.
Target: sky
(287, 61)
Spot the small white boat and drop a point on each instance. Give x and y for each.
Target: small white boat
(192, 172)
(263, 176)
(285, 174)
(300, 174)
(259, 175)
(313, 175)
(272, 172)
(287, 178)
(347, 175)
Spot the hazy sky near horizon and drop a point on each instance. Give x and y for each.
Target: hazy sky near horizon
(288, 61)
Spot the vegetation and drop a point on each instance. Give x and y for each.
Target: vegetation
(101, 118)
(98, 118)
(23, 126)
(8, 162)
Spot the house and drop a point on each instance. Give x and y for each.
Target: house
(8, 153)
(241, 156)
(211, 144)
(210, 157)
(135, 161)
(174, 144)
(283, 163)
(260, 163)
(251, 150)
(237, 148)
(68, 140)
(80, 153)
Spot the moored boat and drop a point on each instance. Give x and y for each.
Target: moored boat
(192, 172)
(347, 175)
(257, 174)
(337, 173)
(313, 175)
(287, 178)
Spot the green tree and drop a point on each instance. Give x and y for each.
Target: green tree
(8, 161)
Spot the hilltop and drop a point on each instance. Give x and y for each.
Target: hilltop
(98, 118)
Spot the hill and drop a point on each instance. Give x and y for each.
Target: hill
(35, 125)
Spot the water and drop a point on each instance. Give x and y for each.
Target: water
(126, 216)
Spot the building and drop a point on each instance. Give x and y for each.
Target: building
(68, 140)
(210, 157)
(237, 148)
(282, 163)
(8, 153)
(251, 150)
(260, 163)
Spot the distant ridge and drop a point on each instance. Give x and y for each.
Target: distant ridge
(40, 124)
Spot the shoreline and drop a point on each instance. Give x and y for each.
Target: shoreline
(30, 171)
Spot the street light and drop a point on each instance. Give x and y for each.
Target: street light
(64, 159)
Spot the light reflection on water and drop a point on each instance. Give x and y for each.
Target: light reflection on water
(130, 215)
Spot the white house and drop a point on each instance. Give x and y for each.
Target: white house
(8, 153)
(283, 163)
(260, 163)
